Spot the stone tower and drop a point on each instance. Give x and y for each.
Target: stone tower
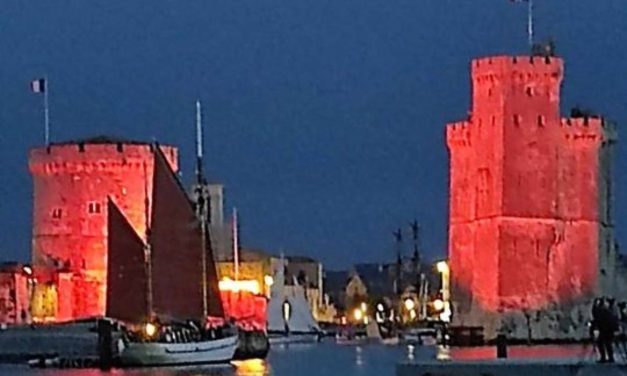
(530, 222)
(72, 182)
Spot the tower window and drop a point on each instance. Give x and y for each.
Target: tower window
(529, 91)
(93, 207)
(56, 213)
(517, 119)
(541, 120)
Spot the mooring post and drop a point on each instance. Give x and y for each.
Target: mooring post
(501, 346)
(105, 339)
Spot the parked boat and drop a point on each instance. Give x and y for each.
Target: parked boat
(164, 288)
(178, 346)
(289, 316)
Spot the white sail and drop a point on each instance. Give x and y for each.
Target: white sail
(298, 312)
(301, 320)
(276, 323)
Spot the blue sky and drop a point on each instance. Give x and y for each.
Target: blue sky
(324, 119)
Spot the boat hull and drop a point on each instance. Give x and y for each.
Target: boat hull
(151, 354)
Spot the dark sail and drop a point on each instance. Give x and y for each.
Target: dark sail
(214, 301)
(176, 242)
(126, 272)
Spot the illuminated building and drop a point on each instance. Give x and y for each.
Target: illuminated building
(16, 283)
(72, 184)
(530, 194)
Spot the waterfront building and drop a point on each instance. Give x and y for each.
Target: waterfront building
(16, 287)
(87, 191)
(531, 231)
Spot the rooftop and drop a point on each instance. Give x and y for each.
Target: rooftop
(102, 140)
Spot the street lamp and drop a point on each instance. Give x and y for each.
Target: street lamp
(409, 304)
(358, 314)
(268, 280)
(438, 305)
(445, 272)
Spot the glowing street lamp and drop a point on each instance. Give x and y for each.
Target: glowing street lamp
(445, 272)
(364, 307)
(438, 305)
(358, 314)
(409, 304)
(268, 280)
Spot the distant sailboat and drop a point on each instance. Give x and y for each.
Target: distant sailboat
(165, 289)
(289, 317)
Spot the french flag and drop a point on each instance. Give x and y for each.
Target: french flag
(38, 85)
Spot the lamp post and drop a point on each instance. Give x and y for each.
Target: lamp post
(445, 274)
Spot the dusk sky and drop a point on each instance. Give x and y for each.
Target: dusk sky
(324, 119)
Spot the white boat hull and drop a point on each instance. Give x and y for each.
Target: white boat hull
(281, 339)
(148, 354)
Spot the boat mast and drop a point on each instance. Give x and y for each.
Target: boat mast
(235, 246)
(398, 237)
(201, 206)
(147, 245)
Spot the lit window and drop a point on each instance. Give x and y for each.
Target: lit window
(93, 207)
(56, 213)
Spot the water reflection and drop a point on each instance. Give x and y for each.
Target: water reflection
(410, 352)
(359, 360)
(251, 367)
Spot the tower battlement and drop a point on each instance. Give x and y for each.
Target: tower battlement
(503, 65)
(516, 83)
(86, 157)
(588, 129)
(458, 134)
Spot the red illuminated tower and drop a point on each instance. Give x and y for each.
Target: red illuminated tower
(530, 193)
(72, 182)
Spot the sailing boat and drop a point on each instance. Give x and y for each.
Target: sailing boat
(289, 317)
(165, 289)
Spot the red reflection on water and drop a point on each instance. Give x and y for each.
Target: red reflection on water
(518, 352)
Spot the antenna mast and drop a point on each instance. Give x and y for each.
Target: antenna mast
(530, 22)
(199, 142)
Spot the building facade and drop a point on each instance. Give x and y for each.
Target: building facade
(16, 288)
(530, 225)
(72, 182)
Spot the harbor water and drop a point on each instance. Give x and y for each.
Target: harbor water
(328, 359)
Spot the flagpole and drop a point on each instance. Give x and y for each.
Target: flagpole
(46, 112)
(530, 22)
